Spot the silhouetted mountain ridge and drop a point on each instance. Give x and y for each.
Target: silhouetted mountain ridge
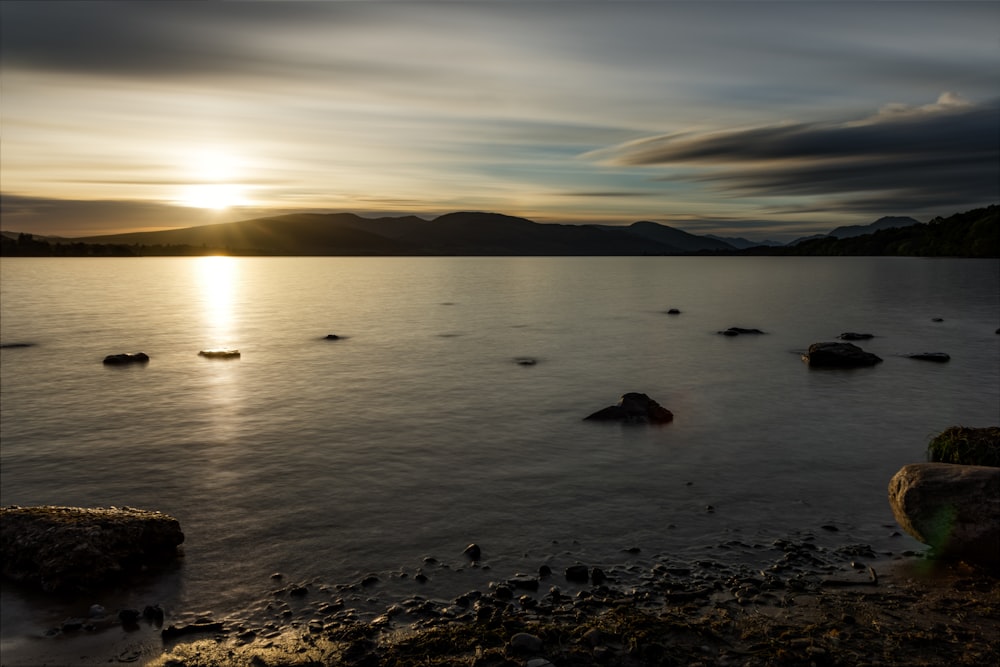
(971, 234)
(459, 233)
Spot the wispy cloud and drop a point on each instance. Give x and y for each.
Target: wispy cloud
(937, 154)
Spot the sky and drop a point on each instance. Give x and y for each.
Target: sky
(766, 120)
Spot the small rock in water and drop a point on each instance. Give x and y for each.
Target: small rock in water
(332, 337)
(578, 573)
(633, 408)
(673, 311)
(126, 358)
(219, 354)
(937, 319)
(525, 361)
(839, 355)
(930, 356)
(736, 331)
(473, 552)
(96, 611)
(850, 335)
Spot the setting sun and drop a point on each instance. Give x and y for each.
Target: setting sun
(216, 196)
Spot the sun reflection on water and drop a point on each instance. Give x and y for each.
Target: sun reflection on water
(217, 276)
(218, 282)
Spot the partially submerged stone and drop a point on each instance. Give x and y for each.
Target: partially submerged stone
(220, 354)
(74, 549)
(955, 509)
(736, 331)
(930, 356)
(839, 355)
(126, 358)
(854, 335)
(634, 408)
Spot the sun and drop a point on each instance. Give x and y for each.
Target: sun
(214, 174)
(217, 196)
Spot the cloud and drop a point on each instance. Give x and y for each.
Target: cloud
(941, 154)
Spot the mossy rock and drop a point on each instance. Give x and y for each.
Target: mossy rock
(966, 446)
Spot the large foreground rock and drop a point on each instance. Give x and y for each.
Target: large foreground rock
(82, 549)
(634, 408)
(839, 355)
(953, 508)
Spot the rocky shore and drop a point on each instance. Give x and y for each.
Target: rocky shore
(810, 599)
(811, 606)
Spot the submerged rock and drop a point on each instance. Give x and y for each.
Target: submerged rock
(736, 331)
(332, 337)
(634, 408)
(82, 549)
(930, 356)
(839, 355)
(851, 335)
(955, 509)
(126, 358)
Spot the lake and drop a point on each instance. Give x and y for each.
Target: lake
(417, 432)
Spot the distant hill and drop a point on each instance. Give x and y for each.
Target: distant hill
(887, 222)
(974, 233)
(462, 233)
(675, 238)
(849, 231)
(741, 243)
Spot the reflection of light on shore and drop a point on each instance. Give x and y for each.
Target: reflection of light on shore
(217, 280)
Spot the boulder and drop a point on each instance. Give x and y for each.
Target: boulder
(634, 408)
(76, 549)
(839, 355)
(955, 509)
(126, 358)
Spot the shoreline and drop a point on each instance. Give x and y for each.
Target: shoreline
(811, 605)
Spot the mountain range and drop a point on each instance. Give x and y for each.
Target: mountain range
(464, 233)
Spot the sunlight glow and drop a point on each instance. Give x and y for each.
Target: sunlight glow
(217, 196)
(214, 179)
(217, 278)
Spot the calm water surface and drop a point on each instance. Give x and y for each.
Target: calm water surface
(417, 432)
